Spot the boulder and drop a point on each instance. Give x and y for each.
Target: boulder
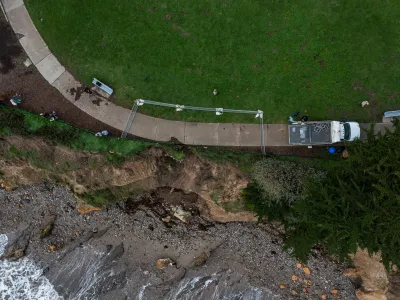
(17, 244)
(167, 219)
(369, 276)
(162, 263)
(200, 260)
(372, 271)
(180, 214)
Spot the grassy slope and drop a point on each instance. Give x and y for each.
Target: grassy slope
(19, 122)
(279, 56)
(15, 121)
(26, 124)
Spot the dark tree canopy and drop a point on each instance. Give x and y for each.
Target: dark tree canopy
(357, 204)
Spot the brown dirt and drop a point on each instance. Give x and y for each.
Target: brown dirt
(8, 49)
(39, 96)
(152, 169)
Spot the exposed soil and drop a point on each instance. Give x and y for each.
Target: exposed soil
(39, 96)
(85, 172)
(8, 49)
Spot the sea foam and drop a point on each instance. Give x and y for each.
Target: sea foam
(22, 279)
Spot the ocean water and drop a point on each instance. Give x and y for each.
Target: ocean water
(222, 286)
(23, 280)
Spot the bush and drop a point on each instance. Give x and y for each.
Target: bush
(276, 185)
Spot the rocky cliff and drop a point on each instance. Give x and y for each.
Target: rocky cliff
(164, 234)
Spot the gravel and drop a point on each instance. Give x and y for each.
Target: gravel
(240, 255)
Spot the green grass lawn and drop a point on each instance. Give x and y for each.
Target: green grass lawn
(319, 57)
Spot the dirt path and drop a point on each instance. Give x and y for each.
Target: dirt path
(39, 96)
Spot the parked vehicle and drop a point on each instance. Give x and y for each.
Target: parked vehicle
(323, 133)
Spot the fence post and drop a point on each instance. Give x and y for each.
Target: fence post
(130, 120)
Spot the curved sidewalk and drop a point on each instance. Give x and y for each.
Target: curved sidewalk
(207, 134)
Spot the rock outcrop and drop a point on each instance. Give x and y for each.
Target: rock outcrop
(372, 280)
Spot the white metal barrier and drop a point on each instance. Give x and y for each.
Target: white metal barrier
(218, 111)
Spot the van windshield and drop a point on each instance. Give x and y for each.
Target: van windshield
(347, 131)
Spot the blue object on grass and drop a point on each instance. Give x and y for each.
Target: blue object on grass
(332, 150)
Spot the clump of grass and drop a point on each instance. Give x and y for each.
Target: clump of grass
(242, 160)
(46, 231)
(103, 197)
(31, 156)
(215, 196)
(115, 158)
(100, 198)
(235, 206)
(175, 152)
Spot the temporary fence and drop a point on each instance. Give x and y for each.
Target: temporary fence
(218, 111)
(130, 120)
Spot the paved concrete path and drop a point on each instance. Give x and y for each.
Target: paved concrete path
(207, 134)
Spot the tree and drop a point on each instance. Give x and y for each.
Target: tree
(276, 185)
(356, 205)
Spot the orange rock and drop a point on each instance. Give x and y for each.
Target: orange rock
(323, 296)
(335, 292)
(294, 292)
(294, 277)
(21, 206)
(52, 247)
(304, 290)
(306, 270)
(282, 286)
(84, 208)
(77, 233)
(162, 263)
(5, 185)
(298, 265)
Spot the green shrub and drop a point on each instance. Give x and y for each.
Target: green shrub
(115, 158)
(276, 185)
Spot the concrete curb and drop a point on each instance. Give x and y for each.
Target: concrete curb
(207, 134)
